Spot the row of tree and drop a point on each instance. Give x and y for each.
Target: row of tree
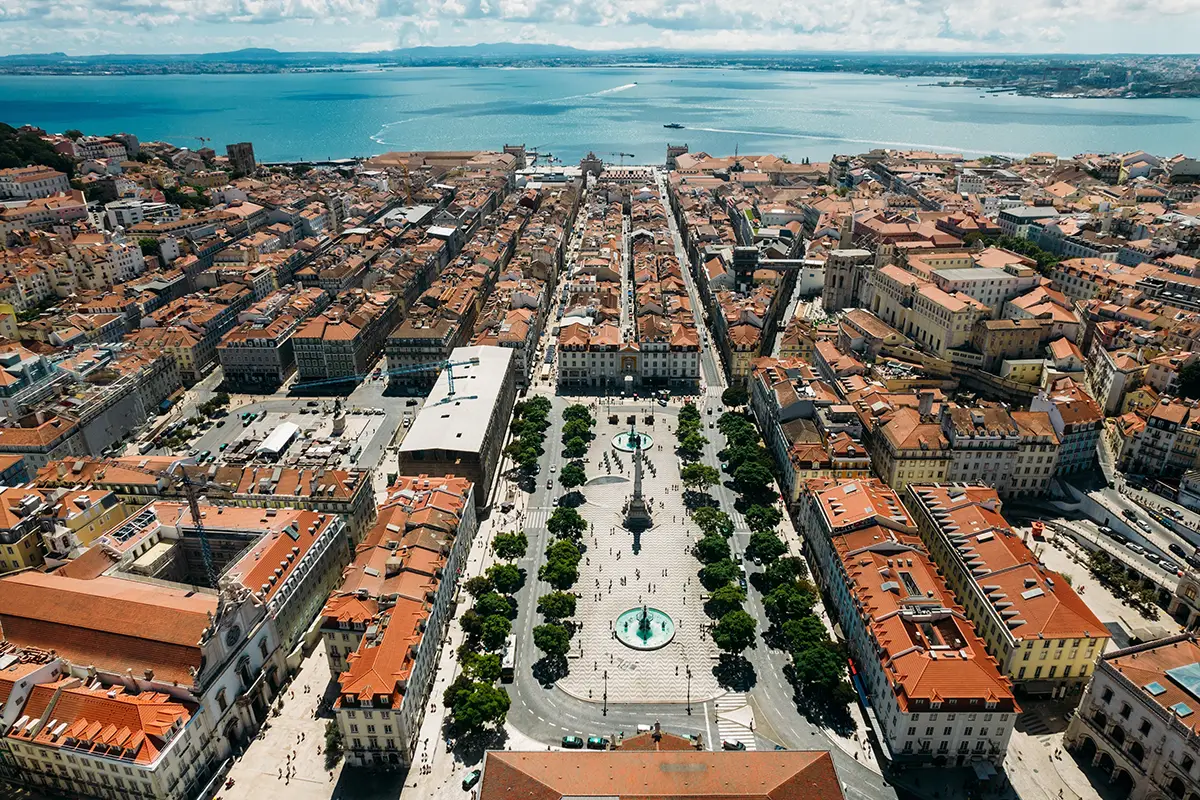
(531, 418)
(690, 440)
(577, 433)
(567, 526)
(473, 699)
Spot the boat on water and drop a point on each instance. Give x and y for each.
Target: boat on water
(674, 125)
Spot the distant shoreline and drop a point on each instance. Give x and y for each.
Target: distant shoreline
(1112, 77)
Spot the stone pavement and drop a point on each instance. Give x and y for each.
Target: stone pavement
(658, 676)
(263, 770)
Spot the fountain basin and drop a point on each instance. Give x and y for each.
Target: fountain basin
(631, 633)
(623, 441)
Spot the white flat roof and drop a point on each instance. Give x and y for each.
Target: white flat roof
(459, 421)
(279, 438)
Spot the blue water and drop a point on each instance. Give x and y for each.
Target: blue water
(571, 111)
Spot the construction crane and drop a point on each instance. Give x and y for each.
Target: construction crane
(191, 491)
(447, 365)
(623, 156)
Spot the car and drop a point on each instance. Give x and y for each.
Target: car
(304, 411)
(1143, 524)
(1152, 558)
(549, 484)
(553, 468)
(732, 744)
(220, 423)
(1136, 548)
(742, 581)
(223, 446)
(1119, 538)
(1169, 566)
(1129, 513)
(471, 779)
(1177, 550)
(410, 402)
(597, 743)
(573, 742)
(313, 403)
(709, 411)
(711, 425)
(407, 422)
(204, 454)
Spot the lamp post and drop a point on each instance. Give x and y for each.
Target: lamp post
(606, 693)
(689, 691)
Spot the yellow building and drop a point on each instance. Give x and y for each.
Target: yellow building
(81, 517)
(1041, 633)
(21, 545)
(910, 448)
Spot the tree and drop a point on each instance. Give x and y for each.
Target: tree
(557, 605)
(819, 668)
(476, 705)
(737, 456)
(734, 396)
(484, 667)
(713, 520)
(505, 577)
(510, 545)
(691, 447)
(575, 447)
(496, 629)
(478, 585)
(495, 603)
(689, 413)
(472, 623)
(148, 245)
(718, 574)
(783, 570)
(788, 601)
(763, 518)
(559, 574)
(711, 548)
(725, 599)
(566, 523)
(578, 412)
(733, 425)
(552, 639)
(572, 475)
(735, 632)
(577, 428)
(765, 546)
(753, 481)
(73, 134)
(803, 633)
(699, 477)
(563, 550)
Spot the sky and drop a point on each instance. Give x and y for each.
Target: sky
(82, 27)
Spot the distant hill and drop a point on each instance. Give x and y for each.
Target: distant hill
(267, 55)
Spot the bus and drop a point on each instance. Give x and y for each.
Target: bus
(508, 662)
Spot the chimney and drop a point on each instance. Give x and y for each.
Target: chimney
(925, 399)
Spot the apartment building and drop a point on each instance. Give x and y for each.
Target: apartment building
(910, 447)
(1169, 444)
(1043, 636)
(344, 340)
(26, 183)
(21, 526)
(259, 355)
(937, 697)
(384, 626)
(1136, 722)
(418, 347)
(1077, 421)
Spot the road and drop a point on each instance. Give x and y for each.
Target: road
(546, 713)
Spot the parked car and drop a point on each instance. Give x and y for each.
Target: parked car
(573, 742)
(1136, 548)
(1169, 566)
(1143, 524)
(732, 744)
(597, 743)
(471, 779)
(1177, 550)
(1129, 513)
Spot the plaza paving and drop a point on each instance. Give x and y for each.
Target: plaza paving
(638, 676)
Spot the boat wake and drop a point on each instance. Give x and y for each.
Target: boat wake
(833, 138)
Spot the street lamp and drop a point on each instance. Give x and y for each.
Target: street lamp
(606, 693)
(689, 691)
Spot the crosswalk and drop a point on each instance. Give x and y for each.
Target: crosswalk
(730, 730)
(536, 517)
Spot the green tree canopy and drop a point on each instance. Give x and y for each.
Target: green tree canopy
(735, 632)
(552, 639)
(765, 546)
(712, 547)
(753, 481)
(734, 396)
(713, 520)
(718, 574)
(577, 412)
(476, 705)
(559, 574)
(483, 667)
(725, 599)
(566, 523)
(572, 475)
(819, 668)
(495, 603)
(576, 428)
(510, 545)
(563, 550)
(737, 426)
(478, 585)
(763, 518)
(788, 601)
(691, 447)
(699, 477)
(557, 605)
(803, 633)
(575, 447)
(505, 577)
(689, 413)
(496, 629)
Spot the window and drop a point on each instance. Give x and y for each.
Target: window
(1144, 730)
(929, 731)
(912, 731)
(967, 731)
(947, 730)
(1107, 695)
(221, 701)
(1125, 710)
(1187, 763)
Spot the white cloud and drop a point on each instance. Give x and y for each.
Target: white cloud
(913, 25)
